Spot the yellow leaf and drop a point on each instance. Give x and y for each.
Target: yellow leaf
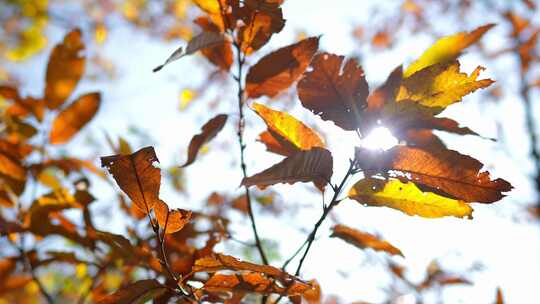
(186, 97)
(446, 48)
(407, 198)
(287, 131)
(100, 33)
(440, 85)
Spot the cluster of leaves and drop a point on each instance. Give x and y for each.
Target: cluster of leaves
(420, 176)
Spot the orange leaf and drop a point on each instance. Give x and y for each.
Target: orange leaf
(445, 172)
(261, 20)
(286, 135)
(219, 55)
(363, 240)
(334, 91)
(138, 292)
(314, 166)
(71, 119)
(276, 71)
(209, 131)
(136, 176)
(64, 70)
(171, 221)
(253, 282)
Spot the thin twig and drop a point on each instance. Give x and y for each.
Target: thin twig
(240, 135)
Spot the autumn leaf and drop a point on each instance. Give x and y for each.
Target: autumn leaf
(171, 220)
(446, 49)
(334, 91)
(276, 71)
(314, 166)
(71, 119)
(64, 70)
(261, 21)
(363, 240)
(286, 135)
(387, 92)
(202, 41)
(217, 262)
(136, 176)
(135, 293)
(253, 282)
(407, 198)
(445, 172)
(220, 55)
(499, 299)
(441, 85)
(209, 131)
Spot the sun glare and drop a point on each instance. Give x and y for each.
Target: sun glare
(379, 138)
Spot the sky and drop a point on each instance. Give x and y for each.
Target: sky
(501, 236)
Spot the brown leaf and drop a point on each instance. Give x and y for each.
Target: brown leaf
(387, 92)
(499, 296)
(277, 71)
(64, 70)
(135, 293)
(445, 172)
(261, 20)
(202, 41)
(171, 221)
(209, 131)
(334, 91)
(286, 135)
(253, 282)
(363, 240)
(73, 118)
(219, 55)
(136, 176)
(314, 166)
(217, 262)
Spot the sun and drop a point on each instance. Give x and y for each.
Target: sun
(380, 138)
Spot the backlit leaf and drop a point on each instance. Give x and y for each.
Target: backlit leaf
(220, 55)
(286, 135)
(406, 197)
(445, 172)
(71, 119)
(314, 166)
(261, 22)
(334, 91)
(441, 85)
(276, 71)
(136, 176)
(209, 131)
(217, 262)
(363, 240)
(253, 282)
(446, 49)
(202, 41)
(135, 293)
(64, 70)
(174, 220)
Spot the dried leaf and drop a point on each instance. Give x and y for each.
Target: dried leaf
(334, 92)
(446, 49)
(73, 118)
(286, 135)
(314, 166)
(220, 55)
(218, 262)
(64, 70)
(135, 293)
(499, 296)
(261, 22)
(445, 172)
(173, 220)
(407, 198)
(136, 176)
(363, 240)
(202, 41)
(209, 131)
(277, 71)
(253, 282)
